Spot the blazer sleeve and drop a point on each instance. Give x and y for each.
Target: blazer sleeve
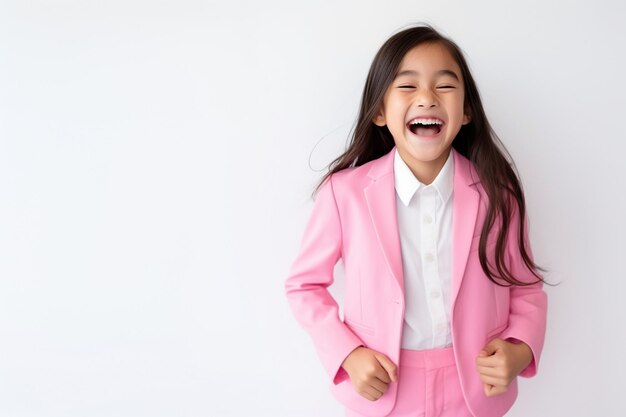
(306, 285)
(528, 304)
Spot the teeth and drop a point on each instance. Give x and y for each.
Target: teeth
(425, 122)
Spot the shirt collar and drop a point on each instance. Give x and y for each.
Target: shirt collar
(406, 184)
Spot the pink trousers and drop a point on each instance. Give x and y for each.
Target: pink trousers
(428, 386)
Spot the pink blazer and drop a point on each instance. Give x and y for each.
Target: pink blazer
(354, 218)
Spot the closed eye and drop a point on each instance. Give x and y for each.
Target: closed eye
(446, 86)
(406, 86)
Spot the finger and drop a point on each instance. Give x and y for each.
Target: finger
(371, 393)
(494, 390)
(369, 397)
(379, 385)
(381, 373)
(489, 349)
(489, 371)
(495, 381)
(382, 376)
(388, 365)
(489, 361)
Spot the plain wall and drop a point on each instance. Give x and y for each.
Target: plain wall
(156, 165)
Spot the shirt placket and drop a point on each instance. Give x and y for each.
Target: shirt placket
(430, 265)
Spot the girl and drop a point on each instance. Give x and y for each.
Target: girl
(444, 306)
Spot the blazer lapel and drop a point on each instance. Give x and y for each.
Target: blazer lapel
(380, 195)
(464, 213)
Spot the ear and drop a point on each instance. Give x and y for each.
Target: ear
(379, 120)
(466, 118)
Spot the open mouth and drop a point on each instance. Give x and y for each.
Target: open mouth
(425, 127)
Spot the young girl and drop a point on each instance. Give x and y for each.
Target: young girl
(444, 306)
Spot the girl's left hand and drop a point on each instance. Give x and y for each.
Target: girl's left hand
(499, 362)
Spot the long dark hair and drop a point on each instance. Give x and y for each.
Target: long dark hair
(476, 141)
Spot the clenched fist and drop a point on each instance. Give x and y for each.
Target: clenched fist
(499, 362)
(370, 372)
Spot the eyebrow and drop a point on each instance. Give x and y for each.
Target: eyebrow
(437, 74)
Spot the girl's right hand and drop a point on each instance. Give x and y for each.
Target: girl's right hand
(370, 372)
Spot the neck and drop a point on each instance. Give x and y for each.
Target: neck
(426, 172)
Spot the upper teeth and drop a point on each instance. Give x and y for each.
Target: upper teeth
(426, 121)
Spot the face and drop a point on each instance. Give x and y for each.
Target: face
(423, 108)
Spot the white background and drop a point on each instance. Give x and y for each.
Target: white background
(156, 165)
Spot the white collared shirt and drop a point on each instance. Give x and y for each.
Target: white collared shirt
(425, 227)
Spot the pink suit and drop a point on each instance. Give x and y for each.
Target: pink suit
(354, 218)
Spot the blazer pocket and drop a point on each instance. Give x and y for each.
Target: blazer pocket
(359, 328)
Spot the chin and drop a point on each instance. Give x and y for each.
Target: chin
(425, 155)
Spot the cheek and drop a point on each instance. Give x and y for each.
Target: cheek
(395, 115)
(456, 111)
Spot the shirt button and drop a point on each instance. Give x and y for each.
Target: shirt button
(434, 294)
(429, 257)
(428, 219)
(441, 327)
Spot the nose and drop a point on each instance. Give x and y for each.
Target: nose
(426, 98)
